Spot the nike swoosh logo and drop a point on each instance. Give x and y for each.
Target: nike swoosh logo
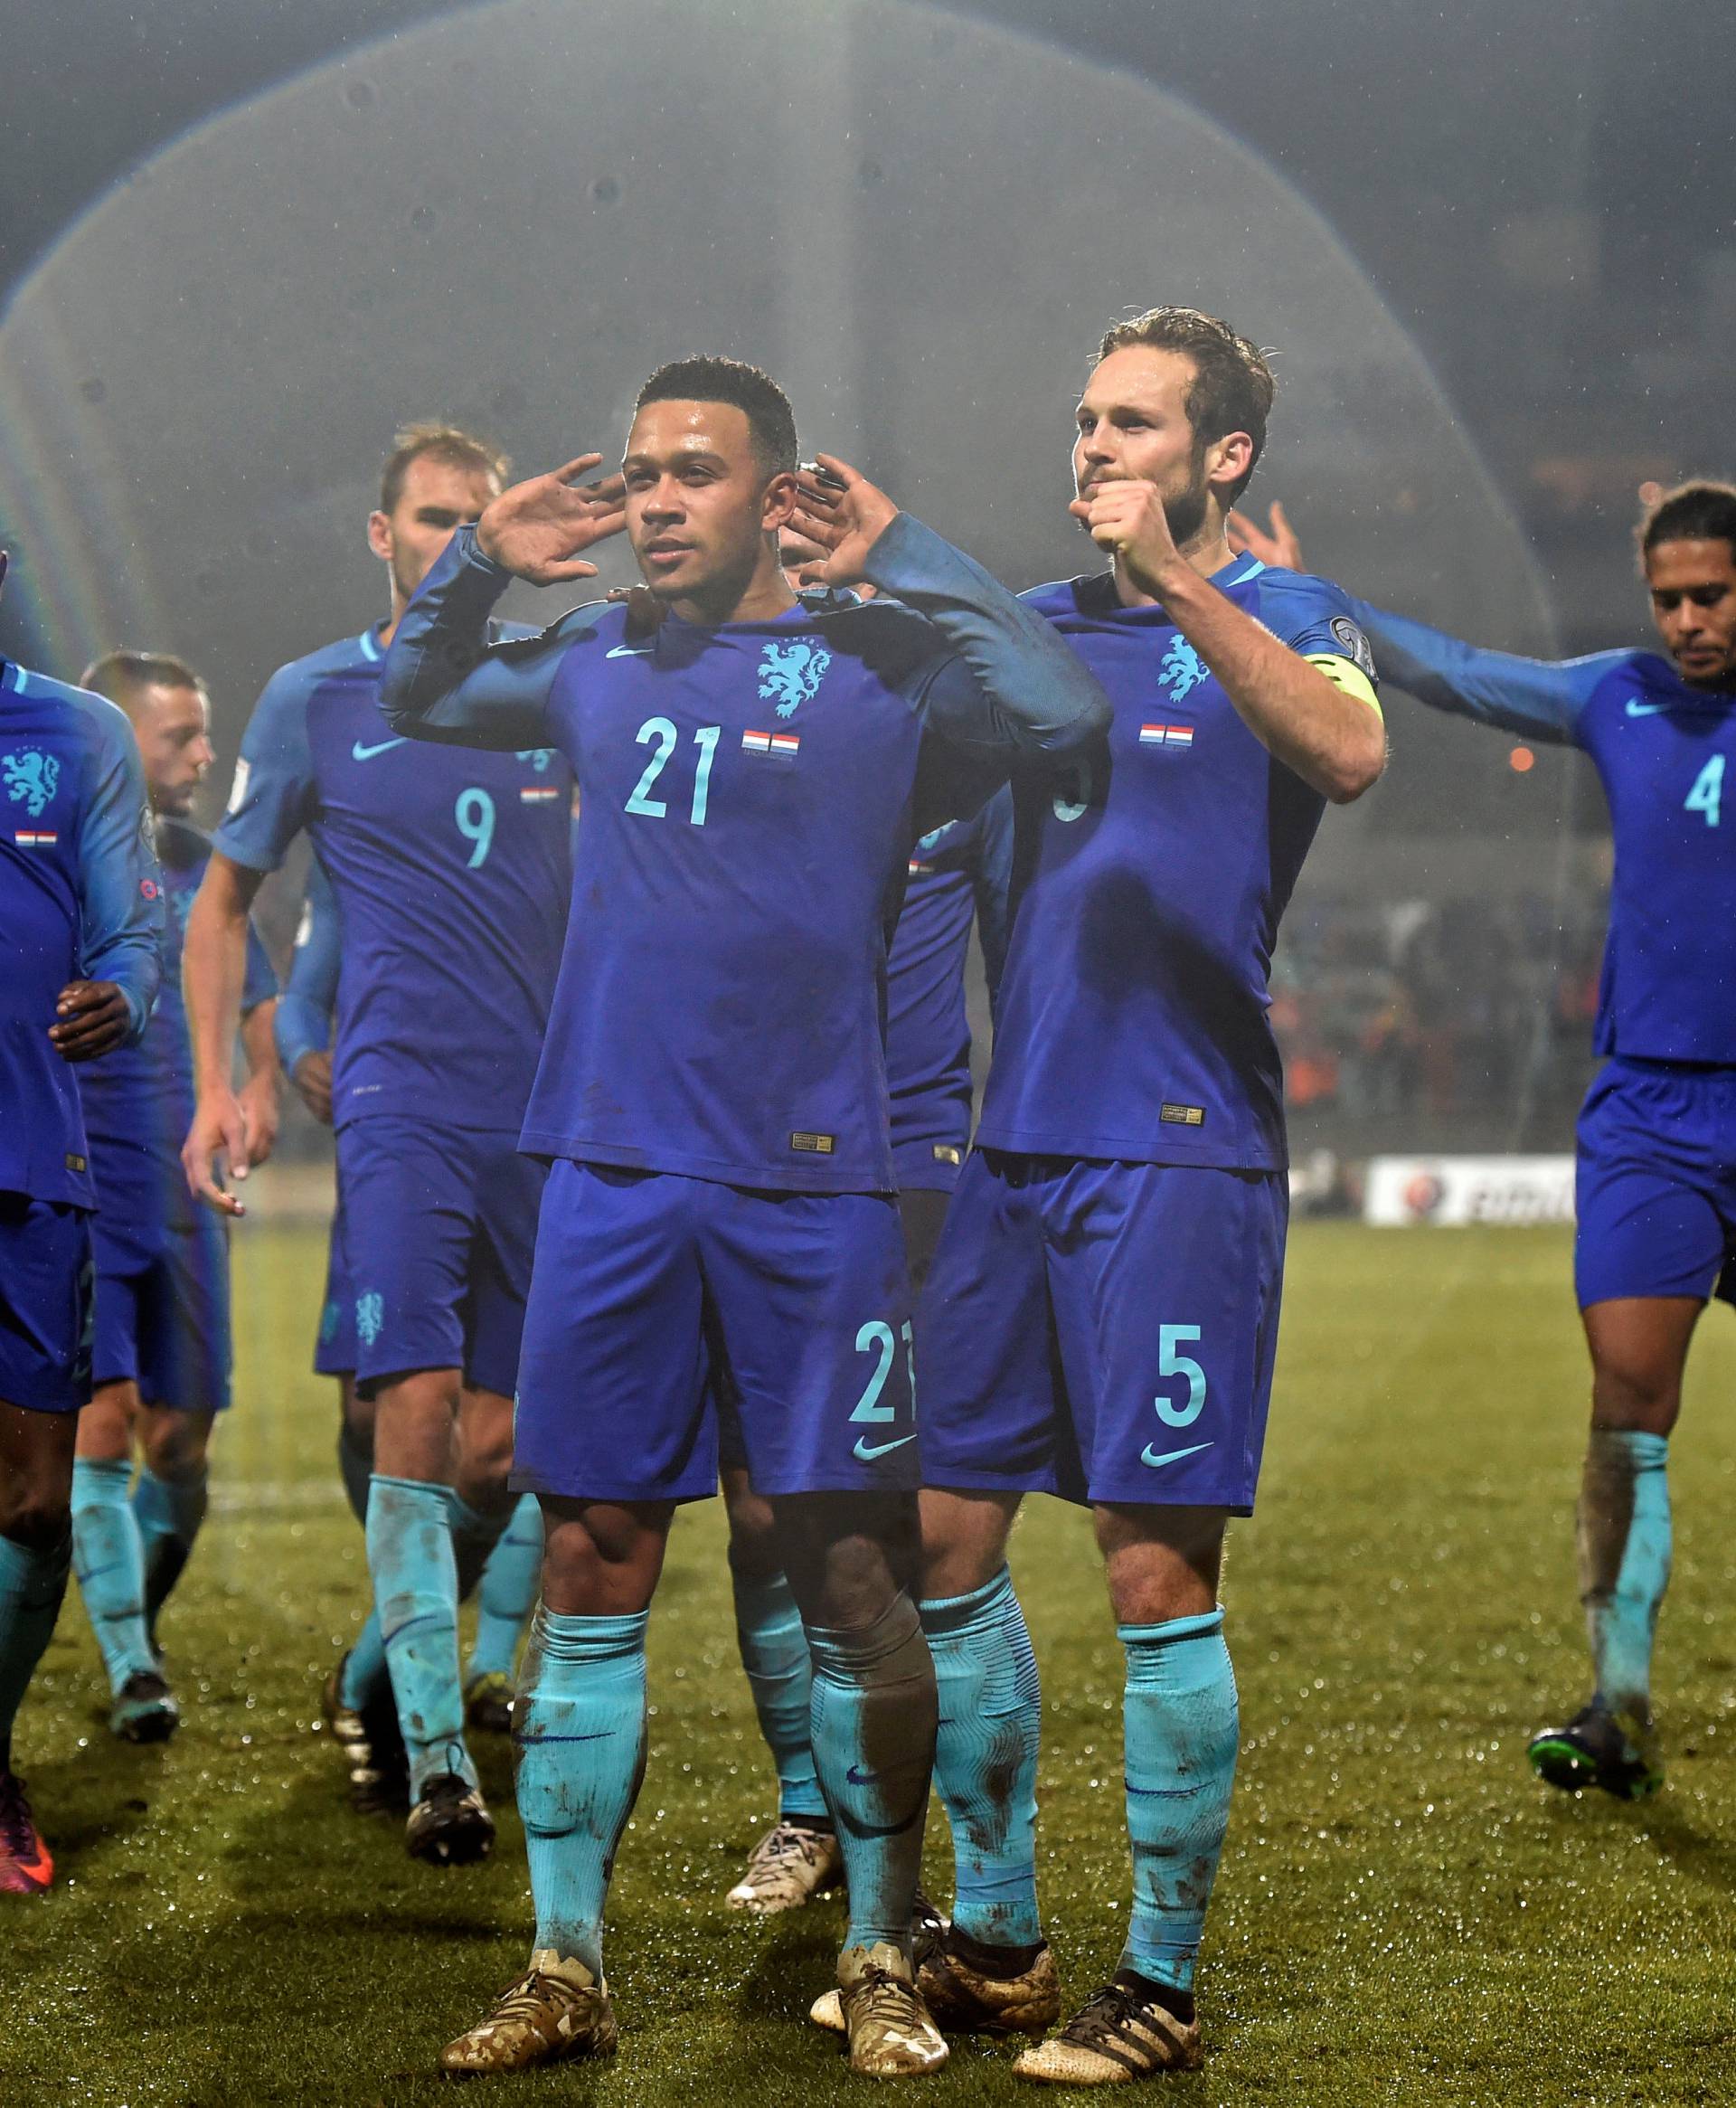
(629, 651)
(867, 1455)
(1645, 709)
(858, 1777)
(358, 752)
(1170, 1456)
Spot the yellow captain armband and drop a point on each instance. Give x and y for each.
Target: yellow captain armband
(1345, 674)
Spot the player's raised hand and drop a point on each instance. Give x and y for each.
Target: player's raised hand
(91, 1018)
(843, 515)
(540, 528)
(218, 1131)
(1278, 544)
(1126, 517)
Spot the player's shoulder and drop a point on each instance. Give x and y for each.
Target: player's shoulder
(1292, 596)
(592, 624)
(1063, 601)
(97, 724)
(294, 681)
(884, 635)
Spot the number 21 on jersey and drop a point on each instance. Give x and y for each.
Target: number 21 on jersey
(658, 734)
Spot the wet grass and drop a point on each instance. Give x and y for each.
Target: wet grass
(1404, 1915)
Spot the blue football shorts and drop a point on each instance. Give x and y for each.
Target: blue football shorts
(1103, 1331)
(334, 1345)
(47, 1304)
(655, 1295)
(162, 1319)
(439, 1227)
(1656, 1184)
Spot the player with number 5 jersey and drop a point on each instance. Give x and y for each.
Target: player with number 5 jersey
(1656, 1186)
(452, 874)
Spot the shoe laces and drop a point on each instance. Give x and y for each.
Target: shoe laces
(530, 1997)
(1105, 2017)
(17, 1831)
(884, 1998)
(788, 1840)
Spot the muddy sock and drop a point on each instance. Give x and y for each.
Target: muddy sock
(872, 1725)
(578, 1734)
(1624, 1541)
(109, 1558)
(507, 1593)
(1180, 1727)
(416, 1593)
(780, 1675)
(169, 1513)
(31, 1584)
(985, 1759)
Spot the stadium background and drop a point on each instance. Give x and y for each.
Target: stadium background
(1493, 247)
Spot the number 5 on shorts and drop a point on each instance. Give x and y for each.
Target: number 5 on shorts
(1170, 1364)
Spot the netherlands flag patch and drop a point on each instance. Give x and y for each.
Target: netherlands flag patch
(1165, 735)
(781, 746)
(45, 840)
(539, 793)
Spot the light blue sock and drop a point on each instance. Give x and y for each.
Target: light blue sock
(579, 1743)
(109, 1558)
(1180, 1727)
(872, 1725)
(985, 1759)
(507, 1593)
(168, 1512)
(1625, 1560)
(32, 1585)
(416, 1593)
(366, 1676)
(780, 1675)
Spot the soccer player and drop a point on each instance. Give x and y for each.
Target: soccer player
(453, 875)
(712, 1096)
(958, 875)
(1656, 1195)
(162, 1359)
(81, 926)
(358, 1700)
(1102, 1312)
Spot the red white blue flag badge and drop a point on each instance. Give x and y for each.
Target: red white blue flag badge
(780, 746)
(1166, 735)
(41, 839)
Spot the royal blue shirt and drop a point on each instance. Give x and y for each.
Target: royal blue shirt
(81, 899)
(958, 875)
(452, 875)
(138, 1101)
(750, 795)
(1147, 884)
(1663, 750)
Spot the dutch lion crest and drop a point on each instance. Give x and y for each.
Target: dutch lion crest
(1183, 669)
(33, 777)
(792, 672)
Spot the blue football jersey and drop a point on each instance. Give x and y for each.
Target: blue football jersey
(452, 875)
(1662, 748)
(958, 875)
(138, 1101)
(80, 898)
(749, 794)
(1147, 884)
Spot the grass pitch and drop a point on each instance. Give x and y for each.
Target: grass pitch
(1403, 1915)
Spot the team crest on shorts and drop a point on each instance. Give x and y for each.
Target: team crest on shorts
(370, 1317)
(791, 674)
(32, 778)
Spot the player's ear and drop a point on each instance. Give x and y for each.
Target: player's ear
(380, 536)
(1230, 460)
(777, 502)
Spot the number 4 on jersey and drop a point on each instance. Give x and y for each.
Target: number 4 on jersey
(1708, 793)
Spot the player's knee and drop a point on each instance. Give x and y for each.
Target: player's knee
(175, 1445)
(36, 1515)
(847, 1562)
(1634, 1397)
(601, 1560)
(1160, 1562)
(963, 1542)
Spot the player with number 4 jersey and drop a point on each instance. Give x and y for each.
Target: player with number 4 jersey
(1657, 1191)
